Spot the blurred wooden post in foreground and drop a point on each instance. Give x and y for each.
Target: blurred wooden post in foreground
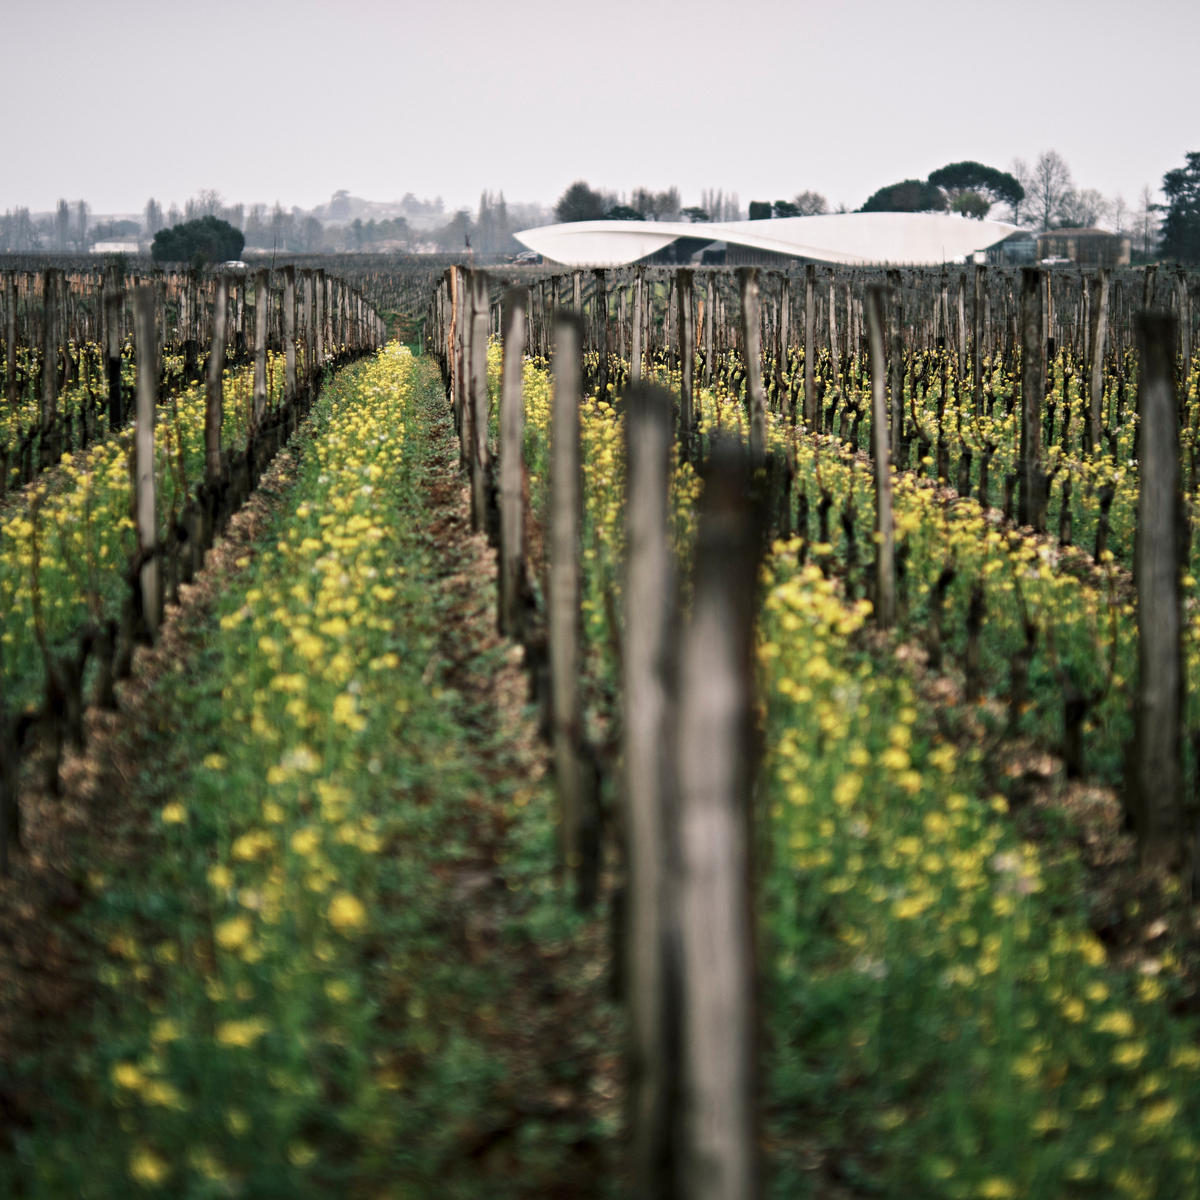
(714, 769)
(885, 547)
(651, 938)
(1154, 774)
(146, 339)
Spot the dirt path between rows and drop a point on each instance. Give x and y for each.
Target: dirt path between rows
(556, 1029)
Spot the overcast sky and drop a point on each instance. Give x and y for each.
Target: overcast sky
(120, 100)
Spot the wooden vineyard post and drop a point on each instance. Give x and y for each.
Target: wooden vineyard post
(714, 768)
(289, 330)
(49, 410)
(149, 577)
(306, 281)
(1031, 503)
(885, 548)
(651, 937)
(977, 340)
(783, 336)
(811, 415)
(566, 505)
(480, 454)
(896, 337)
(710, 307)
(262, 310)
(752, 348)
(1097, 342)
(512, 462)
(113, 302)
(635, 333)
(462, 382)
(1155, 765)
(687, 359)
(10, 337)
(215, 399)
(600, 303)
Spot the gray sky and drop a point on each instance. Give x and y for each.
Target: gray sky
(289, 100)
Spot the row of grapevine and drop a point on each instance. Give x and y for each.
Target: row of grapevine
(1079, 654)
(90, 550)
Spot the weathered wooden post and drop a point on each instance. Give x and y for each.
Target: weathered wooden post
(885, 547)
(512, 463)
(49, 440)
(715, 768)
(289, 330)
(1097, 343)
(310, 341)
(149, 574)
(687, 359)
(215, 395)
(114, 299)
(480, 452)
(710, 307)
(1155, 764)
(756, 401)
(10, 337)
(1031, 502)
(563, 600)
(652, 953)
(977, 318)
(896, 337)
(635, 339)
(262, 310)
(812, 418)
(783, 336)
(603, 340)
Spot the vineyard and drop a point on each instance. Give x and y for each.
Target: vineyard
(683, 734)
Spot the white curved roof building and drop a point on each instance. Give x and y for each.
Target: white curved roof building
(894, 239)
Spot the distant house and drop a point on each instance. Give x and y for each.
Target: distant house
(114, 247)
(1087, 247)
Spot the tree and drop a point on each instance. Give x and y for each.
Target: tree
(1050, 185)
(785, 208)
(207, 240)
(973, 187)
(658, 206)
(622, 212)
(154, 216)
(62, 225)
(580, 203)
(971, 204)
(1120, 211)
(695, 214)
(82, 212)
(1181, 225)
(810, 204)
(910, 195)
(1082, 209)
(760, 210)
(1146, 221)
